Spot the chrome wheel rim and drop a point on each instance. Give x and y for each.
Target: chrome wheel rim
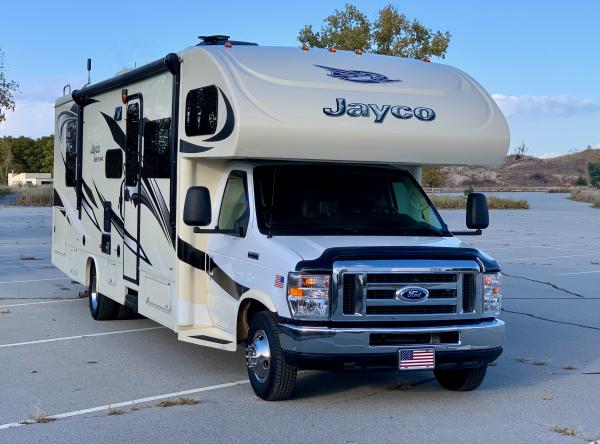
(93, 295)
(258, 356)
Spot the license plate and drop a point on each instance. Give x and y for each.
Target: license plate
(416, 359)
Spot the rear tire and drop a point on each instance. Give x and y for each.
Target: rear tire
(101, 307)
(271, 378)
(461, 380)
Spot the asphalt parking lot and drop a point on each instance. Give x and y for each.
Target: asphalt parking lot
(56, 359)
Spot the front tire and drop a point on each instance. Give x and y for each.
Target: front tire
(461, 380)
(101, 307)
(271, 378)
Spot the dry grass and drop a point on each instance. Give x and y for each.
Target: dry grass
(494, 203)
(531, 361)
(565, 431)
(178, 401)
(589, 195)
(40, 417)
(114, 412)
(399, 386)
(35, 196)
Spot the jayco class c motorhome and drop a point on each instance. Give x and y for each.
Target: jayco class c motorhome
(270, 197)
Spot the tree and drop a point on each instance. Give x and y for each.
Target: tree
(392, 33)
(594, 172)
(521, 150)
(433, 176)
(7, 88)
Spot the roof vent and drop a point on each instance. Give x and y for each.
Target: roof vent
(220, 40)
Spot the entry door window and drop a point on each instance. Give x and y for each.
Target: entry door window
(235, 210)
(131, 144)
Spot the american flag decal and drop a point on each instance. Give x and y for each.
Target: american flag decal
(417, 359)
(279, 280)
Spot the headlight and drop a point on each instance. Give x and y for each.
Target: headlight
(492, 295)
(308, 296)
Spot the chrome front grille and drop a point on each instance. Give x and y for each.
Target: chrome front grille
(367, 290)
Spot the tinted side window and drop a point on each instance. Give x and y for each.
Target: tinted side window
(157, 155)
(71, 152)
(235, 211)
(201, 111)
(131, 144)
(113, 166)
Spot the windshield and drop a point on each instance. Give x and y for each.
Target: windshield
(339, 199)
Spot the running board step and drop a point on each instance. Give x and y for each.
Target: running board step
(209, 337)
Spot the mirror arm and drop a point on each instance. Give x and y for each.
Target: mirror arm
(215, 231)
(477, 232)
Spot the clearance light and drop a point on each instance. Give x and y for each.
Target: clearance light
(426, 59)
(308, 296)
(358, 51)
(305, 47)
(332, 49)
(228, 44)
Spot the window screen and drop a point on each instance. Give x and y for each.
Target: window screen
(157, 153)
(235, 212)
(113, 166)
(70, 152)
(131, 144)
(201, 110)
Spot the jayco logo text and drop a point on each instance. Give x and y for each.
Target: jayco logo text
(380, 112)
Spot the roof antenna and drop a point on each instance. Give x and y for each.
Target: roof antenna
(89, 70)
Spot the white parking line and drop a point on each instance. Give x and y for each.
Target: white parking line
(66, 338)
(577, 272)
(15, 245)
(42, 265)
(130, 403)
(41, 302)
(508, 259)
(35, 280)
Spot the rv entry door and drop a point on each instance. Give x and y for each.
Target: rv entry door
(132, 189)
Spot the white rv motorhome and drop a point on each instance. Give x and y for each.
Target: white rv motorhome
(270, 197)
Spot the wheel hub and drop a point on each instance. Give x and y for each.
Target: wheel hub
(258, 356)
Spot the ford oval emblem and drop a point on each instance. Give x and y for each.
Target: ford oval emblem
(412, 294)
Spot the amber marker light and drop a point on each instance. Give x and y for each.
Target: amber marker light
(228, 44)
(358, 51)
(332, 49)
(305, 47)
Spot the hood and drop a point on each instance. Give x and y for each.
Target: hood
(311, 247)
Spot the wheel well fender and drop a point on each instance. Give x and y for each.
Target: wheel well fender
(251, 303)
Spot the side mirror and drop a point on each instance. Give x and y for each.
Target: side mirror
(197, 208)
(478, 216)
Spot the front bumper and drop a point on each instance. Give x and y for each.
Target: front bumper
(338, 347)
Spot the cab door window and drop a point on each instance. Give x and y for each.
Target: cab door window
(235, 210)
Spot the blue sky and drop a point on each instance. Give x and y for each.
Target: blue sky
(538, 58)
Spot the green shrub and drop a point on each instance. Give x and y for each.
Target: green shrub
(581, 182)
(594, 172)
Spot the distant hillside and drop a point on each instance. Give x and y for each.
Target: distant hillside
(526, 171)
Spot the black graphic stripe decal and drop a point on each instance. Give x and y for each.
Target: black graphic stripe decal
(57, 201)
(187, 147)
(119, 225)
(229, 122)
(117, 133)
(160, 211)
(89, 193)
(199, 259)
